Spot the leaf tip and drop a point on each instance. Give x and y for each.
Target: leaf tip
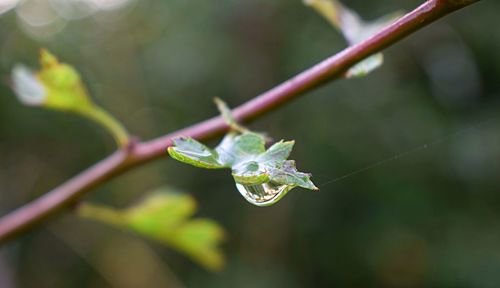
(170, 149)
(223, 108)
(47, 59)
(219, 102)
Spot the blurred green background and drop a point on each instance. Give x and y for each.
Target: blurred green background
(430, 218)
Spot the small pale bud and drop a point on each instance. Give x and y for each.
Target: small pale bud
(29, 90)
(59, 86)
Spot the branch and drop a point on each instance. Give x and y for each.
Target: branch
(138, 153)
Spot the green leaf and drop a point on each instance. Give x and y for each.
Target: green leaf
(262, 176)
(192, 152)
(227, 115)
(241, 147)
(354, 30)
(233, 149)
(199, 238)
(160, 213)
(236, 148)
(286, 173)
(59, 86)
(278, 151)
(164, 216)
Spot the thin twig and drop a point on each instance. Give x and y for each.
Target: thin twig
(136, 154)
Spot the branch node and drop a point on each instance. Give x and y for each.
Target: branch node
(131, 144)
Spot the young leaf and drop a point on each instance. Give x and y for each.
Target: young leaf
(241, 146)
(226, 114)
(198, 239)
(262, 176)
(59, 86)
(278, 152)
(193, 152)
(165, 216)
(287, 174)
(354, 30)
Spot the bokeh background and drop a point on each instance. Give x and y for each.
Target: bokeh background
(428, 216)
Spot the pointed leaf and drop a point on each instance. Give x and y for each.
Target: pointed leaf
(248, 143)
(287, 174)
(199, 238)
(279, 151)
(227, 115)
(236, 148)
(64, 87)
(160, 213)
(164, 216)
(192, 152)
(233, 149)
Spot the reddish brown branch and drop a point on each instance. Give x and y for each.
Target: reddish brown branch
(330, 69)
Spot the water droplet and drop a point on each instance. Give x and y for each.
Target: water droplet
(263, 194)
